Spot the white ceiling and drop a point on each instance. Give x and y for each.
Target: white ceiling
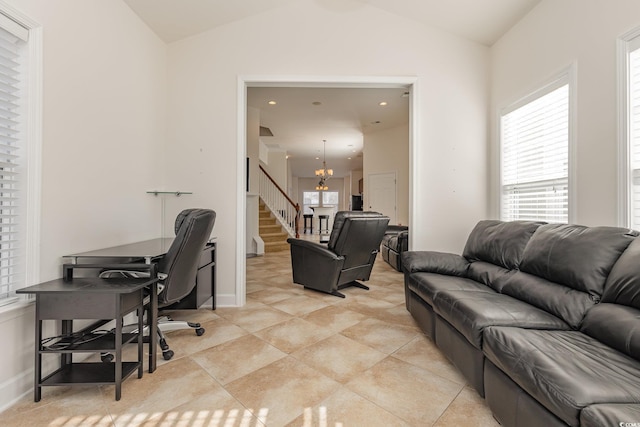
(483, 21)
(299, 127)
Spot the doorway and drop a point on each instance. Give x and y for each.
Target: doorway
(409, 83)
(382, 195)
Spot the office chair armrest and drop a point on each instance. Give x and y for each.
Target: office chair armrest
(316, 248)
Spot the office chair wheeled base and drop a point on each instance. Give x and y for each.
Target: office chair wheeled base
(165, 323)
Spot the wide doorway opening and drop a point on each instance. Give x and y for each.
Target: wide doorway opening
(352, 146)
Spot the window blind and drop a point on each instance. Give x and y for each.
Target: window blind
(535, 159)
(12, 248)
(634, 137)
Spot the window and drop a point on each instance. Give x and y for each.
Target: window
(19, 157)
(535, 156)
(310, 198)
(330, 199)
(631, 130)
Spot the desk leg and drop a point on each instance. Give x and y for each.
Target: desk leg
(67, 329)
(140, 336)
(118, 364)
(38, 365)
(153, 327)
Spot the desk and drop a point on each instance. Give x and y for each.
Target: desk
(150, 249)
(93, 298)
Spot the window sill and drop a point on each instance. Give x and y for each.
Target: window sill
(16, 309)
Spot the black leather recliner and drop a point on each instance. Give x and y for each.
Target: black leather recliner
(348, 257)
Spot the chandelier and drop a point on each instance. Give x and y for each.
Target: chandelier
(324, 173)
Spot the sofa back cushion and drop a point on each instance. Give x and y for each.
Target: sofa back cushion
(562, 301)
(623, 283)
(575, 256)
(617, 326)
(488, 274)
(499, 242)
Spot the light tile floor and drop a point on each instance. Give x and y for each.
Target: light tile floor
(289, 357)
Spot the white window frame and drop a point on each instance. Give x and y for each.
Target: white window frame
(33, 150)
(565, 77)
(626, 44)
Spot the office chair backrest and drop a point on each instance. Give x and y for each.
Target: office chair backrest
(180, 264)
(356, 235)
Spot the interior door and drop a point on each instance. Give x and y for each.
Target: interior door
(381, 192)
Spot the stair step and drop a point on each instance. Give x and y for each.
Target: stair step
(274, 237)
(265, 214)
(276, 247)
(266, 229)
(268, 221)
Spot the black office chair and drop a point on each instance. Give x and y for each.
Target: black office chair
(348, 257)
(177, 269)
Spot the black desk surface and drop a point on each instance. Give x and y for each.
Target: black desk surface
(147, 248)
(89, 285)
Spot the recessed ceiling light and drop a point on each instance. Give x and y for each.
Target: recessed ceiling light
(377, 122)
(348, 158)
(383, 103)
(316, 103)
(317, 158)
(272, 102)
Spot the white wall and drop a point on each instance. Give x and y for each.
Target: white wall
(451, 93)
(253, 148)
(551, 37)
(388, 151)
(104, 118)
(278, 168)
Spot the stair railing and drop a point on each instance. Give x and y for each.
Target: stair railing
(283, 208)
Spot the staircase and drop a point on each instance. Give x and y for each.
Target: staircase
(271, 232)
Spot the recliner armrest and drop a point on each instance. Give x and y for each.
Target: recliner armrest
(434, 262)
(313, 246)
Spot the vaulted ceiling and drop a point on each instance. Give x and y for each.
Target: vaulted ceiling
(303, 117)
(483, 21)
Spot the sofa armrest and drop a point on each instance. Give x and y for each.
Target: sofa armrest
(434, 262)
(403, 241)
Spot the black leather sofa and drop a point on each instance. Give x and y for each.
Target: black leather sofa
(394, 243)
(543, 320)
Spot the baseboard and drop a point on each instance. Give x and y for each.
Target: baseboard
(15, 388)
(225, 300)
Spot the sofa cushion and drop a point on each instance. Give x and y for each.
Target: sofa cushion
(563, 370)
(575, 256)
(618, 326)
(471, 312)
(434, 262)
(562, 301)
(488, 274)
(498, 242)
(426, 285)
(623, 283)
(621, 414)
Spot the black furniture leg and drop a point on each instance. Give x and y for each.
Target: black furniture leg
(338, 294)
(152, 321)
(354, 283)
(37, 390)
